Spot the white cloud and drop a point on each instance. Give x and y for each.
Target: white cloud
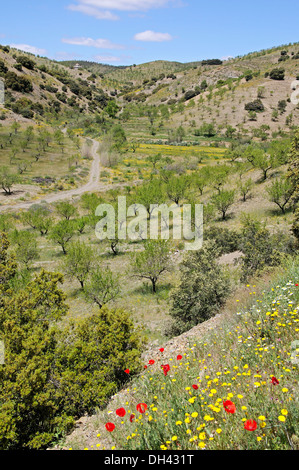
(92, 11)
(125, 5)
(98, 43)
(100, 9)
(107, 58)
(152, 36)
(27, 48)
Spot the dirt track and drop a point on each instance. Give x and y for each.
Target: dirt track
(92, 185)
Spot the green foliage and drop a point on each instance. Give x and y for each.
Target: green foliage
(227, 241)
(152, 262)
(176, 188)
(149, 194)
(93, 356)
(119, 137)
(53, 375)
(26, 247)
(17, 83)
(223, 201)
(102, 287)
(277, 74)
(203, 288)
(65, 209)
(7, 179)
(258, 248)
(26, 62)
(280, 192)
(261, 160)
(62, 233)
(256, 105)
(245, 188)
(112, 109)
(38, 217)
(295, 226)
(79, 261)
(206, 130)
(293, 170)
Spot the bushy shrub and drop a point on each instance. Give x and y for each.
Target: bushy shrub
(226, 240)
(26, 62)
(277, 74)
(255, 105)
(203, 288)
(16, 83)
(259, 248)
(53, 375)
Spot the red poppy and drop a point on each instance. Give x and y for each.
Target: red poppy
(229, 406)
(132, 418)
(250, 425)
(145, 367)
(274, 380)
(296, 285)
(151, 362)
(166, 369)
(127, 371)
(141, 407)
(195, 387)
(121, 412)
(110, 427)
(179, 357)
(161, 349)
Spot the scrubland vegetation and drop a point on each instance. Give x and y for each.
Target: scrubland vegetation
(80, 317)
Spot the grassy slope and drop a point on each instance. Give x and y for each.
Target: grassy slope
(248, 344)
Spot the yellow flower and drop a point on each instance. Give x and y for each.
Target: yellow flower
(202, 436)
(281, 418)
(262, 418)
(202, 445)
(179, 423)
(285, 390)
(174, 438)
(219, 431)
(194, 415)
(284, 412)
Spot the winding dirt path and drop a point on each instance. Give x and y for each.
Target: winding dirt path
(92, 185)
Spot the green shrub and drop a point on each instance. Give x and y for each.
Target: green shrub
(277, 74)
(226, 240)
(26, 62)
(259, 248)
(203, 288)
(53, 375)
(255, 105)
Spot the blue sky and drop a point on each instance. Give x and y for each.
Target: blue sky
(123, 32)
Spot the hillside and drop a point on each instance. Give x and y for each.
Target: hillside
(38, 88)
(245, 357)
(91, 290)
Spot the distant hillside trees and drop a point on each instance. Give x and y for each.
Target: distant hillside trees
(16, 83)
(212, 62)
(26, 62)
(277, 74)
(256, 105)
